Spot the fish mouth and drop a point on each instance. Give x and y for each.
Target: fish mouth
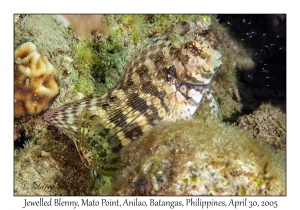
(192, 82)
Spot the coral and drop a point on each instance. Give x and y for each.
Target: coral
(57, 43)
(268, 124)
(84, 25)
(34, 81)
(199, 158)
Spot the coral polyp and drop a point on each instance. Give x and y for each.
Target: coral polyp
(34, 81)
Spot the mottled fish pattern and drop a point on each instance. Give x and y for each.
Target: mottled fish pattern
(160, 83)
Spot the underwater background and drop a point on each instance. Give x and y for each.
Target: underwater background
(240, 153)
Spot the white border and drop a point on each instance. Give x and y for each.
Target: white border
(8, 8)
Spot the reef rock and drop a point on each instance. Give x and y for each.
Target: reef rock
(199, 158)
(34, 81)
(84, 25)
(268, 124)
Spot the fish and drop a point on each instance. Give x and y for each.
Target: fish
(160, 82)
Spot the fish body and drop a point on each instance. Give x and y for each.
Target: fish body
(159, 83)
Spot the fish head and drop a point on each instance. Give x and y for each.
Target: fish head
(197, 62)
(190, 75)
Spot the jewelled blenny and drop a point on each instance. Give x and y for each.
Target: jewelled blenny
(160, 83)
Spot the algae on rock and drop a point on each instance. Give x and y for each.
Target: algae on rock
(199, 158)
(268, 125)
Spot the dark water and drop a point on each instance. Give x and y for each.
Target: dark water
(265, 36)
